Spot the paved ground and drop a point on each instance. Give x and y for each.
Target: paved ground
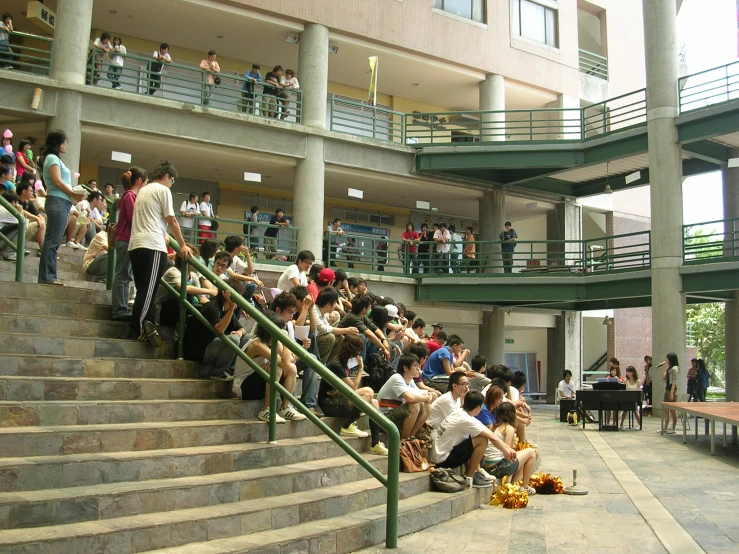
(647, 494)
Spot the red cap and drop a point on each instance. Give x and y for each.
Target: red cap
(327, 275)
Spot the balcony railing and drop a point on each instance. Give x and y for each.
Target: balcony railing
(356, 118)
(720, 242)
(593, 64)
(28, 53)
(712, 86)
(190, 84)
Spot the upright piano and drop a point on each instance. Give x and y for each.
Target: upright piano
(609, 399)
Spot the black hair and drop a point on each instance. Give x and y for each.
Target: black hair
(306, 255)
(379, 316)
(565, 373)
(418, 323)
(453, 340)
(500, 383)
(472, 401)
(104, 36)
(54, 140)
(7, 16)
(5, 159)
(220, 256)
(4, 170)
(672, 358)
(22, 144)
(254, 209)
(519, 380)
(441, 338)
(386, 301)
(352, 282)
(360, 302)
(454, 379)
(208, 249)
(507, 376)
(283, 301)
(351, 347)
(264, 334)
(339, 275)
(407, 360)
(506, 413)
(256, 66)
(478, 362)
(136, 174)
(232, 242)
(507, 223)
(313, 272)
(94, 195)
(211, 53)
(290, 72)
(192, 195)
(276, 68)
(418, 349)
(300, 292)
(442, 224)
(204, 194)
(22, 186)
(278, 210)
(337, 220)
(163, 46)
(327, 296)
(164, 168)
(413, 227)
(410, 315)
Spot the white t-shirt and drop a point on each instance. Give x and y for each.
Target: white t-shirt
(492, 454)
(239, 266)
(191, 208)
(443, 407)
(206, 207)
(285, 284)
(514, 394)
(97, 52)
(6, 218)
(116, 59)
(568, 389)
(157, 55)
(393, 389)
(149, 226)
(452, 431)
(443, 248)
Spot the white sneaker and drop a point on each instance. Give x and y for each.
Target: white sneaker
(486, 475)
(72, 244)
(264, 416)
(79, 246)
(378, 449)
(352, 431)
(292, 414)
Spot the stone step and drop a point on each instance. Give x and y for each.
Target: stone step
(342, 519)
(65, 253)
(140, 533)
(73, 263)
(79, 439)
(69, 271)
(70, 282)
(28, 365)
(84, 347)
(78, 470)
(32, 389)
(62, 326)
(68, 309)
(119, 500)
(34, 291)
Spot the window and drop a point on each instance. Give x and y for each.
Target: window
(469, 9)
(536, 20)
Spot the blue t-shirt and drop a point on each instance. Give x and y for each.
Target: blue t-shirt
(434, 365)
(485, 417)
(9, 186)
(66, 175)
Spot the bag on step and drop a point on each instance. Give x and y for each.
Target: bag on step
(413, 456)
(445, 480)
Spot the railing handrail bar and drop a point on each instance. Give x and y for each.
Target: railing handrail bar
(589, 53)
(30, 35)
(391, 481)
(726, 65)
(686, 225)
(241, 221)
(20, 240)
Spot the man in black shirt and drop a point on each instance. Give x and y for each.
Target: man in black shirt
(426, 240)
(203, 346)
(270, 234)
(271, 92)
(361, 304)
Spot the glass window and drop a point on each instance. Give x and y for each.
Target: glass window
(535, 22)
(469, 9)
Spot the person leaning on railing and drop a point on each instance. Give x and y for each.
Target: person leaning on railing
(156, 67)
(210, 68)
(288, 82)
(253, 76)
(6, 54)
(116, 61)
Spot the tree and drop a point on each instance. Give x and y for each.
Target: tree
(707, 321)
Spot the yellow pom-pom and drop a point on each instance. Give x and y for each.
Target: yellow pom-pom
(544, 483)
(510, 496)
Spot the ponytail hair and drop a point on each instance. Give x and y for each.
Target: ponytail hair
(133, 174)
(54, 141)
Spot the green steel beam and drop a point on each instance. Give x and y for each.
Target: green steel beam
(708, 123)
(472, 158)
(708, 151)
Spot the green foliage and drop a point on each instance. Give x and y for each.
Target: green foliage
(701, 244)
(708, 329)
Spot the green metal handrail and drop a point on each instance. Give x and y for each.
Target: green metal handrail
(28, 59)
(593, 64)
(367, 254)
(716, 85)
(20, 239)
(284, 247)
(700, 247)
(189, 84)
(356, 118)
(279, 336)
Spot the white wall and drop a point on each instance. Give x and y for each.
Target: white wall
(533, 341)
(593, 339)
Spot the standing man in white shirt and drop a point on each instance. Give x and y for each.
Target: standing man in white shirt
(205, 225)
(100, 47)
(156, 67)
(147, 249)
(442, 237)
(189, 209)
(567, 386)
(289, 82)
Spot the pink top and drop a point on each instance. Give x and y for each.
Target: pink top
(125, 215)
(19, 169)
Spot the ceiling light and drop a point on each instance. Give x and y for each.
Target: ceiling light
(607, 321)
(531, 206)
(292, 38)
(122, 157)
(607, 190)
(252, 177)
(355, 193)
(423, 205)
(333, 48)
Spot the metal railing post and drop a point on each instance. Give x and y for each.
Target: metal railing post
(183, 311)
(273, 391)
(393, 478)
(112, 255)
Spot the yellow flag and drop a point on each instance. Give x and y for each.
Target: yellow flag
(372, 99)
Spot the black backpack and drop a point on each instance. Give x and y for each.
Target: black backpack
(379, 370)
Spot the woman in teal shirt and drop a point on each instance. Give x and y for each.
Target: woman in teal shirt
(58, 181)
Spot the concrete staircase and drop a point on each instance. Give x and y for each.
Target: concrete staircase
(109, 446)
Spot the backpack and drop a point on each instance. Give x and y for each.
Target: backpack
(379, 371)
(413, 456)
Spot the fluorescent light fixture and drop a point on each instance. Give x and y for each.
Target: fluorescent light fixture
(422, 205)
(355, 193)
(333, 48)
(252, 177)
(120, 157)
(531, 206)
(292, 38)
(733, 162)
(633, 177)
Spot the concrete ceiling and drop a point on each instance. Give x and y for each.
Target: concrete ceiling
(253, 37)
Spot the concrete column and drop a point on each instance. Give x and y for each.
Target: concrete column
(492, 218)
(731, 315)
(492, 336)
(313, 68)
(71, 41)
(492, 97)
(665, 170)
(564, 223)
(67, 118)
(309, 197)
(563, 351)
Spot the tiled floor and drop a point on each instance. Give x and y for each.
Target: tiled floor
(690, 499)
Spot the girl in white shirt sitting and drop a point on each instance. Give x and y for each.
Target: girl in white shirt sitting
(496, 464)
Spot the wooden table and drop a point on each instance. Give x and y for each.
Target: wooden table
(723, 412)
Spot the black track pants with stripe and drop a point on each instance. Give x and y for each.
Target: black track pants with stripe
(148, 266)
